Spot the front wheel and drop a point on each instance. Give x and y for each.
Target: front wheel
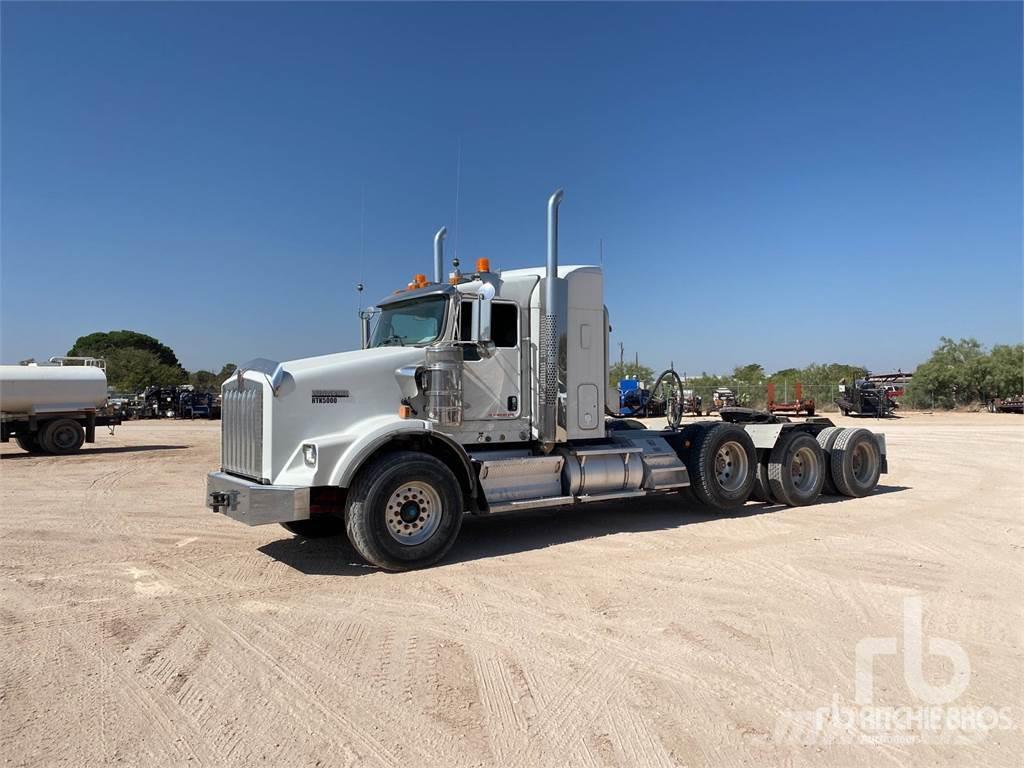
(404, 511)
(317, 527)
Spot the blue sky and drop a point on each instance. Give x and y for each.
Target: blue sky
(773, 183)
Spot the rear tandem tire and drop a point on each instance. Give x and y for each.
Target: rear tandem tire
(722, 464)
(762, 491)
(404, 511)
(796, 469)
(856, 462)
(826, 439)
(62, 436)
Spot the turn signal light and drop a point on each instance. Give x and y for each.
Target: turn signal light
(405, 412)
(483, 265)
(420, 280)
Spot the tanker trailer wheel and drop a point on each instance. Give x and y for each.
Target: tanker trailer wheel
(404, 511)
(796, 469)
(62, 436)
(722, 464)
(826, 439)
(29, 442)
(856, 462)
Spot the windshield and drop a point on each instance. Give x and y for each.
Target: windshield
(410, 322)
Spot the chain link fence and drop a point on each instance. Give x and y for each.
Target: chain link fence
(756, 395)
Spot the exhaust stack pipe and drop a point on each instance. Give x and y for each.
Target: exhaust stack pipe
(549, 290)
(550, 333)
(439, 255)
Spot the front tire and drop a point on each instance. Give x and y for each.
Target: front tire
(404, 511)
(722, 464)
(317, 527)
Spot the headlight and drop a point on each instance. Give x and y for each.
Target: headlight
(309, 454)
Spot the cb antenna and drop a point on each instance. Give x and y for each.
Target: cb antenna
(458, 183)
(362, 240)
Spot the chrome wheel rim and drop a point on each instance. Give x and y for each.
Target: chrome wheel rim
(805, 470)
(413, 513)
(864, 461)
(731, 466)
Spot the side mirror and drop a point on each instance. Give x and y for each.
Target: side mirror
(481, 320)
(365, 330)
(482, 315)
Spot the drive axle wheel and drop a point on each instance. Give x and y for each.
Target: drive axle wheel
(796, 469)
(62, 436)
(404, 511)
(761, 490)
(826, 439)
(722, 462)
(856, 462)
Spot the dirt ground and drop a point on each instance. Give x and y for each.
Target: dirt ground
(139, 628)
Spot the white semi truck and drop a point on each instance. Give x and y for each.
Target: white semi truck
(482, 394)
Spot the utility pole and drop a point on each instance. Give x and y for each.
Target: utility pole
(622, 350)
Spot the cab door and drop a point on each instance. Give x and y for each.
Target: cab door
(491, 386)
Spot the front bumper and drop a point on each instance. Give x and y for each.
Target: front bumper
(255, 504)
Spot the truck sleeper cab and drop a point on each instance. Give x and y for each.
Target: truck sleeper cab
(484, 394)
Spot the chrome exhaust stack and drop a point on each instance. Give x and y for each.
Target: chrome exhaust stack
(551, 332)
(439, 255)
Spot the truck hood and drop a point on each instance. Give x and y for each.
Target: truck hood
(330, 394)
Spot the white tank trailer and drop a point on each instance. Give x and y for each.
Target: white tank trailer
(483, 394)
(52, 408)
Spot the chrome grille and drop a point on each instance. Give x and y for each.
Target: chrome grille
(241, 431)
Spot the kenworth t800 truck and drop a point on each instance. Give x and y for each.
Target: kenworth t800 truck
(482, 394)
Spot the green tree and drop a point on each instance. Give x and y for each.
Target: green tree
(132, 370)
(749, 374)
(620, 371)
(1007, 369)
(134, 360)
(204, 381)
(101, 344)
(227, 370)
(957, 373)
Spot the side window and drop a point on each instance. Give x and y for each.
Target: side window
(466, 321)
(504, 324)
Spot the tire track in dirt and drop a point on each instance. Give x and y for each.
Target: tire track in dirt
(567, 715)
(364, 731)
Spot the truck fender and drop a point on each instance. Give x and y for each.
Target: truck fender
(397, 431)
